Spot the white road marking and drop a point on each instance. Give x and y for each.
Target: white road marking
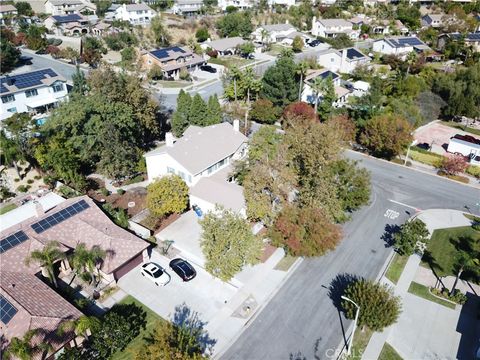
(409, 206)
(391, 214)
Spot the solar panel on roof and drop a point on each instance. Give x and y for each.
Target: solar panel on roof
(60, 216)
(27, 80)
(12, 240)
(7, 310)
(163, 53)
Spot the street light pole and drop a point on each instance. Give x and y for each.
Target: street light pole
(414, 142)
(350, 343)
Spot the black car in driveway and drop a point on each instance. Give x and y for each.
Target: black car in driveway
(208, 68)
(183, 269)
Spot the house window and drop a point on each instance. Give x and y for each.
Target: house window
(8, 98)
(57, 87)
(12, 110)
(170, 170)
(181, 174)
(31, 92)
(189, 178)
(221, 163)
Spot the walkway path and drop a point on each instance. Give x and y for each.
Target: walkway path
(113, 189)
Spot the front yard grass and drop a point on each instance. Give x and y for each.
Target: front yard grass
(423, 292)
(425, 157)
(360, 342)
(137, 343)
(230, 61)
(286, 263)
(7, 208)
(389, 353)
(173, 83)
(441, 248)
(396, 267)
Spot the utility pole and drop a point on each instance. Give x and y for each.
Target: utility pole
(350, 343)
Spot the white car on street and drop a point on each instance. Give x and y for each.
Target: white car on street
(155, 273)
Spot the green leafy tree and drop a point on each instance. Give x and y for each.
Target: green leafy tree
(167, 195)
(413, 236)
(198, 111)
(24, 348)
(34, 37)
(128, 54)
(379, 308)
(304, 231)
(297, 44)
(214, 111)
(10, 54)
(202, 34)
(327, 90)
(180, 118)
(228, 243)
(79, 82)
(409, 15)
(159, 32)
(466, 259)
(86, 262)
(263, 112)
(47, 258)
(92, 51)
(24, 8)
(341, 41)
(82, 326)
(11, 154)
(235, 24)
(247, 48)
(302, 68)
(386, 135)
(279, 83)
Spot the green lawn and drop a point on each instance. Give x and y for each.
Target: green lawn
(173, 83)
(461, 127)
(7, 208)
(276, 49)
(441, 248)
(396, 268)
(389, 353)
(138, 342)
(423, 292)
(286, 263)
(425, 157)
(360, 342)
(230, 61)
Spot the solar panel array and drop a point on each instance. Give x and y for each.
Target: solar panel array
(26, 80)
(410, 41)
(7, 310)
(67, 18)
(60, 216)
(328, 73)
(354, 54)
(474, 36)
(12, 240)
(164, 53)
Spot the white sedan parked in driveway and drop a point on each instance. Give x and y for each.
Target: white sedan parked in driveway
(155, 273)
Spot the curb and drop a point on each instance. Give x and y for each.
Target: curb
(257, 312)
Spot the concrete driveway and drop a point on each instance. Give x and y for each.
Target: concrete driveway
(203, 294)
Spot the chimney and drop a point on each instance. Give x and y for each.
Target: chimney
(39, 208)
(314, 20)
(169, 139)
(344, 60)
(9, 80)
(236, 125)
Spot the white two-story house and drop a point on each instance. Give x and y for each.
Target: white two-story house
(187, 7)
(330, 28)
(67, 7)
(399, 46)
(239, 4)
(135, 14)
(344, 61)
(272, 34)
(33, 92)
(203, 158)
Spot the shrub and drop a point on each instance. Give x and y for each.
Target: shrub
(22, 189)
(16, 179)
(212, 53)
(476, 226)
(30, 181)
(473, 170)
(454, 164)
(298, 112)
(155, 73)
(121, 191)
(37, 177)
(202, 34)
(167, 195)
(184, 74)
(104, 192)
(263, 111)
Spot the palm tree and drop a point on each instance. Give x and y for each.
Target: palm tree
(265, 35)
(82, 326)
(302, 68)
(317, 87)
(251, 84)
(85, 261)
(23, 349)
(410, 60)
(235, 74)
(46, 258)
(466, 260)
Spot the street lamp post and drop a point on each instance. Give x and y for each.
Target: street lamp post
(350, 343)
(414, 142)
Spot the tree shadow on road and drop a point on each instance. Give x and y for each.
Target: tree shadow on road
(388, 235)
(338, 286)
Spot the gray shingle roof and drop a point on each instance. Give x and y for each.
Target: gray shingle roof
(277, 27)
(226, 43)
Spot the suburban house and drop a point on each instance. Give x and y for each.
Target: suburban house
(66, 7)
(172, 60)
(7, 12)
(271, 34)
(135, 14)
(286, 3)
(73, 24)
(466, 145)
(386, 27)
(330, 28)
(399, 46)
(33, 92)
(225, 46)
(101, 28)
(343, 61)
(432, 20)
(239, 4)
(203, 158)
(360, 19)
(309, 95)
(187, 7)
(470, 39)
(27, 302)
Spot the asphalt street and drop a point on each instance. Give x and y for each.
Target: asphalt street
(302, 321)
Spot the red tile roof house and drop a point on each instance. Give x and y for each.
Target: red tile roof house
(74, 221)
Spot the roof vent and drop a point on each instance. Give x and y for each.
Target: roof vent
(9, 80)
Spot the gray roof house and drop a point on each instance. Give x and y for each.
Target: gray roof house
(225, 46)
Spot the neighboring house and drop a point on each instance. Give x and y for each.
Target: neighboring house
(172, 60)
(386, 27)
(73, 24)
(135, 14)
(7, 13)
(272, 34)
(330, 28)
(399, 46)
(286, 3)
(470, 39)
(187, 7)
(66, 7)
(360, 19)
(239, 4)
(432, 20)
(309, 95)
(226, 46)
(344, 61)
(27, 302)
(33, 92)
(466, 145)
(203, 158)
(101, 28)
(360, 88)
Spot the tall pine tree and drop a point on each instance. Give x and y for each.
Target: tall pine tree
(214, 111)
(198, 111)
(180, 118)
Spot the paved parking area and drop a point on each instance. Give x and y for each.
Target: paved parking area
(204, 294)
